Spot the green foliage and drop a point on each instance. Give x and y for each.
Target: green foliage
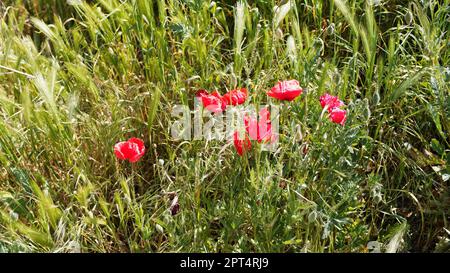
(78, 76)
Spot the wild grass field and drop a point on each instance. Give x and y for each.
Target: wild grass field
(79, 76)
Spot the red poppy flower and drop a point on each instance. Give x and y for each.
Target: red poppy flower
(286, 90)
(331, 101)
(131, 150)
(214, 102)
(241, 145)
(338, 116)
(260, 131)
(236, 96)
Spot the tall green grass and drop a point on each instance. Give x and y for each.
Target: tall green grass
(76, 77)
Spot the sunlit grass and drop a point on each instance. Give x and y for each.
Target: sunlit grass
(77, 77)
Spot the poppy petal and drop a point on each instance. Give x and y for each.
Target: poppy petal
(118, 150)
(212, 102)
(338, 116)
(236, 96)
(241, 145)
(132, 149)
(286, 90)
(331, 101)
